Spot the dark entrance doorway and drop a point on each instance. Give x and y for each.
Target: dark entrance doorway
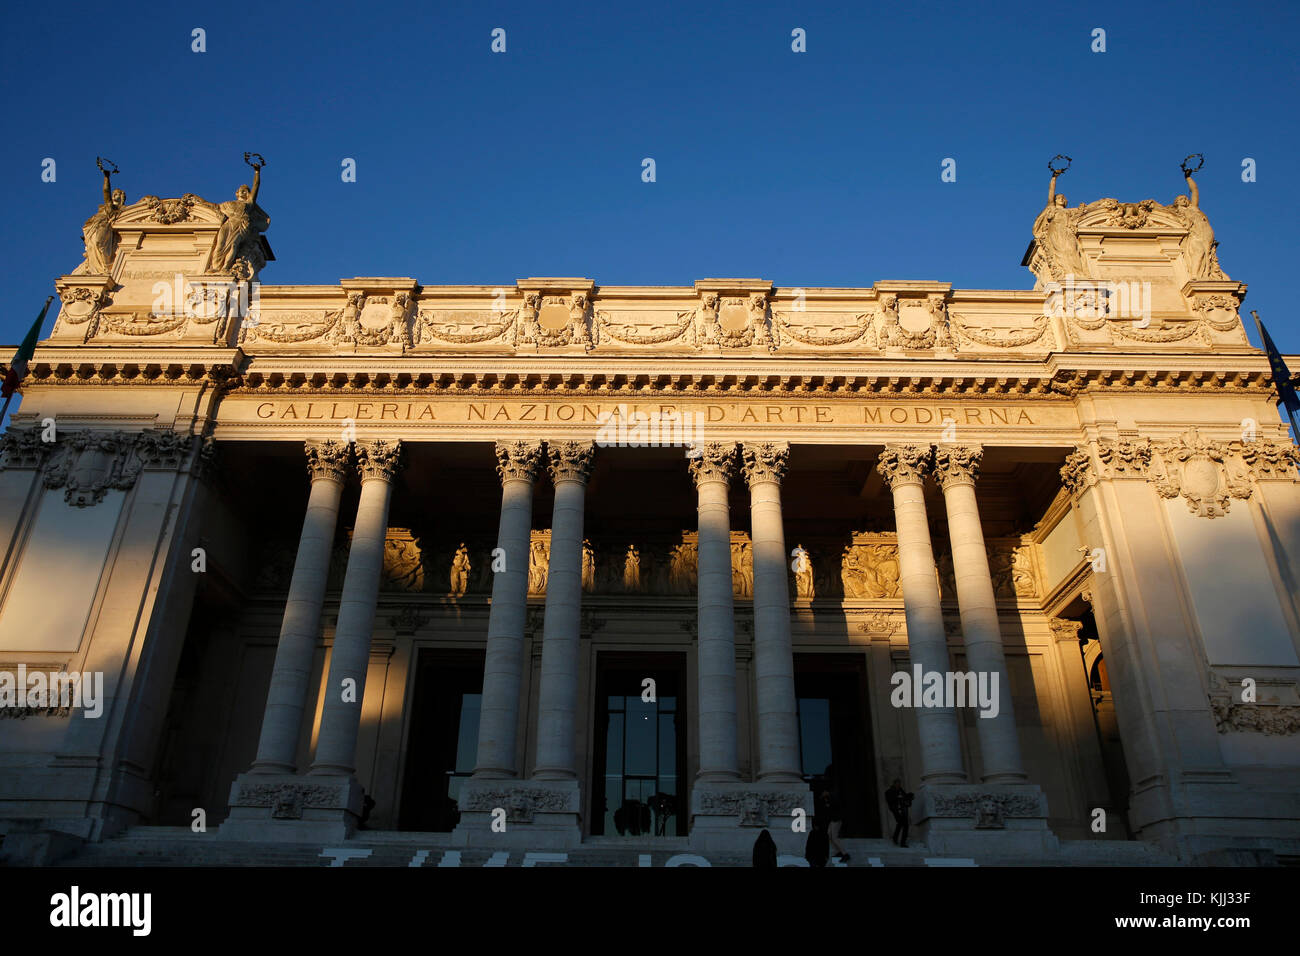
(443, 743)
(640, 754)
(835, 728)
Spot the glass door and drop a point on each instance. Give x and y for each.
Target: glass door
(639, 758)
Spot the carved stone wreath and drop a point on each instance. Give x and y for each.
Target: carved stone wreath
(1000, 338)
(168, 211)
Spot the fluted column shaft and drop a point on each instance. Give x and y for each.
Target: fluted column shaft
(287, 698)
(956, 467)
(716, 650)
(517, 463)
(778, 716)
(336, 746)
(570, 463)
(904, 468)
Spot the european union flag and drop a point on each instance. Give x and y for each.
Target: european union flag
(1286, 393)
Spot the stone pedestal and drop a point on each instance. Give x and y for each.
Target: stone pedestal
(287, 808)
(728, 816)
(982, 819)
(529, 814)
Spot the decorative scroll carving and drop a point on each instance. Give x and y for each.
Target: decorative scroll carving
(683, 328)
(881, 625)
(21, 447)
(1124, 458)
(715, 462)
(1064, 629)
(570, 460)
(169, 211)
(1200, 471)
(765, 461)
(905, 463)
(1077, 473)
(88, 464)
(1269, 459)
(957, 464)
(327, 459)
(1000, 338)
(518, 460)
(483, 326)
(859, 332)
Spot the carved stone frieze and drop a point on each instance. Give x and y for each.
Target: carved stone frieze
(21, 447)
(520, 803)
(987, 808)
(1270, 459)
(934, 336)
(880, 625)
(286, 800)
(88, 464)
(870, 570)
(1255, 718)
(756, 808)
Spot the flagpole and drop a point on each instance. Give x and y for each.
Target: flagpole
(32, 335)
(1286, 381)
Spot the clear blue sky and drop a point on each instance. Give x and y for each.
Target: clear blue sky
(820, 168)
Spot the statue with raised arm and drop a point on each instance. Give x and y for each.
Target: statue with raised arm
(243, 220)
(1199, 246)
(1055, 230)
(98, 233)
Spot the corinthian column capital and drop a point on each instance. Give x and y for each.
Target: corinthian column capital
(765, 461)
(957, 464)
(327, 459)
(570, 460)
(379, 459)
(716, 461)
(518, 460)
(903, 464)
(1065, 630)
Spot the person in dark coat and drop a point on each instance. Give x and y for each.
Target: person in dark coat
(765, 851)
(833, 803)
(899, 802)
(817, 851)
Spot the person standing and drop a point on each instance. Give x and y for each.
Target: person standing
(899, 801)
(833, 801)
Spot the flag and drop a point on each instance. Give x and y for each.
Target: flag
(1286, 393)
(18, 367)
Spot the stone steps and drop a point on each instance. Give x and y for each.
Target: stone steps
(177, 846)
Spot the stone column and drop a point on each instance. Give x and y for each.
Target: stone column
(711, 471)
(336, 746)
(956, 466)
(903, 467)
(287, 698)
(517, 463)
(570, 463)
(778, 717)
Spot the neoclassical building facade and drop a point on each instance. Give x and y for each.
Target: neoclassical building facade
(556, 562)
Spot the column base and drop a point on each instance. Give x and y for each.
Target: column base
(286, 808)
(983, 819)
(729, 816)
(529, 814)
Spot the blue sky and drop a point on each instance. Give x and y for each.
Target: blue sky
(820, 168)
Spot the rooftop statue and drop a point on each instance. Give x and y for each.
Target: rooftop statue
(98, 234)
(1199, 246)
(1056, 229)
(243, 220)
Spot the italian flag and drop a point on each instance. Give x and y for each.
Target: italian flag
(17, 369)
